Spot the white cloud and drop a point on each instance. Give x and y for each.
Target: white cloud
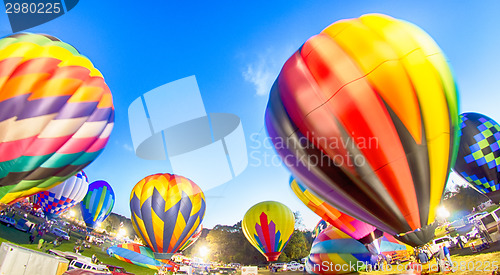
(260, 75)
(127, 147)
(264, 71)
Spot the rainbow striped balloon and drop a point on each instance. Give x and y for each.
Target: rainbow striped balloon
(56, 114)
(97, 204)
(166, 212)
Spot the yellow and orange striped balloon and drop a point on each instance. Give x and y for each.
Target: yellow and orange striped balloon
(166, 211)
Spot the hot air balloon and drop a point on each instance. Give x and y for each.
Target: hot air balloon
(334, 252)
(478, 159)
(322, 225)
(56, 114)
(268, 226)
(97, 204)
(61, 197)
(166, 212)
(358, 230)
(365, 114)
(139, 255)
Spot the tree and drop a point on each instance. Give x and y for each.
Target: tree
(297, 247)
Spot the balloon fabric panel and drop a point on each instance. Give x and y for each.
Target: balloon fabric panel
(56, 114)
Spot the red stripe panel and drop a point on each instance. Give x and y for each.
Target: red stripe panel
(76, 145)
(13, 149)
(73, 72)
(265, 230)
(45, 146)
(98, 145)
(8, 65)
(300, 95)
(36, 65)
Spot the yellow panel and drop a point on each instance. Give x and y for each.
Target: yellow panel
(158, 226)
(383, 69)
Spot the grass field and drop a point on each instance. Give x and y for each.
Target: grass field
(10, 234)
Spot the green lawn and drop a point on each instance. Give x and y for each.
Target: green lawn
(12, 235)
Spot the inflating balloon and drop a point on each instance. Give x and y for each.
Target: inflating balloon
(268, 226)
(335, 248)
(139, 255)
(334, 252)
(97, 204)
(358, 230)
(166, 212)
(56, 114)
(478, 158)
(61, 197)
(365, 114)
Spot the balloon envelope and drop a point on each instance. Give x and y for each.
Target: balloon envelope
(478, 159)
(61, 197)
(137, 254)
(97, 203)
(334, 252)
(268, 226)
(365, 114)
(56, 114)
(358, 230)
(166, 211)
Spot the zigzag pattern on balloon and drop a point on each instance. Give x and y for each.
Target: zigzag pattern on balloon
(166, 211)
(56, 113)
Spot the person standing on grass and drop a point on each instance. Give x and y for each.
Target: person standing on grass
(447, 255)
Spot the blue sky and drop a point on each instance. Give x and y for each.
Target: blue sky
(236, 49)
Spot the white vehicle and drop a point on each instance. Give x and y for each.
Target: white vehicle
(473, 234)
(86, 263)
(15, 260)
(60, 233)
